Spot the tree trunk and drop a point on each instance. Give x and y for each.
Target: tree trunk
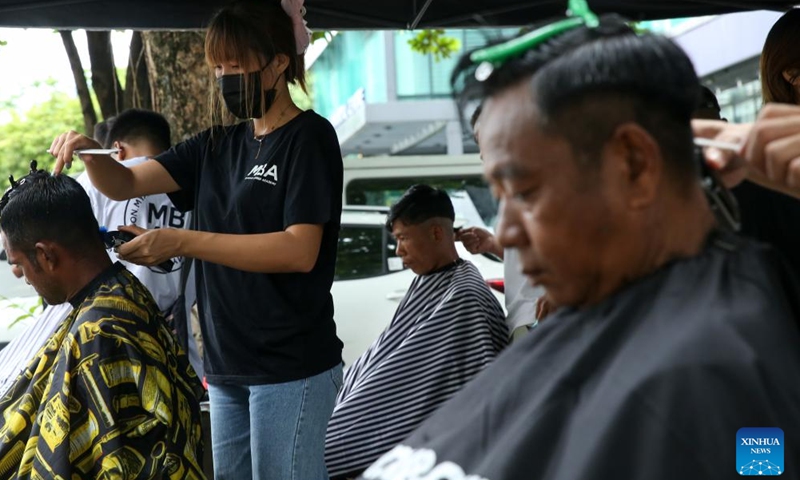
(104, 73)
(137, 83)
(87, 108)
(179, 79)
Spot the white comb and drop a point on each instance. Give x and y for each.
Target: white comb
(707, 142)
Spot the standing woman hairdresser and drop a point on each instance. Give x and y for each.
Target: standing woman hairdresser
(767, 215)
(266, 193)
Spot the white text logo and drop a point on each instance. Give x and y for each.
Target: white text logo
(264, 174)
(405, 463)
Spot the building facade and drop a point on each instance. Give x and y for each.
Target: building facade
(725, 50)
(383, 98)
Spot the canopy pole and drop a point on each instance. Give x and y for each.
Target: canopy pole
(421, 14)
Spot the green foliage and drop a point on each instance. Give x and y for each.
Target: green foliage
(435, 42)
(27, 137)
(10, 103)
(427, 42)
(24, 311)
(302, 99)
(3, 43)
(319, 35)
(122, 74)
(638, 28)
(49, 82)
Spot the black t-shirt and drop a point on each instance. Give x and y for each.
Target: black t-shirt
(771, 217)
(653, 383)
(264, 328)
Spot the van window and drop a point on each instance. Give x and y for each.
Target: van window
(386, 191)
(363, 252)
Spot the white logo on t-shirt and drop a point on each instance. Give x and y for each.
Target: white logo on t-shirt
(264, 174)
(405, 463)
(151, 212)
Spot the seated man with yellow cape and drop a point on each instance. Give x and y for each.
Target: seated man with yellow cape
(110, 395)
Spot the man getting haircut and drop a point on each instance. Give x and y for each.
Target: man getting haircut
(447, 328)
(139, 134)
(110, 394)
(671, 333)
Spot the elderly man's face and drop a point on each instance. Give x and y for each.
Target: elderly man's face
(41, 279)
(417, 246)
(558, 213)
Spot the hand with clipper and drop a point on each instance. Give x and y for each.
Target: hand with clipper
(150, 247)
(478, 241)
(766, 152)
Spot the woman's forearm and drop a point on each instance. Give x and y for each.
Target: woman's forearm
(112, 178)
(294, 250)
(118, 182)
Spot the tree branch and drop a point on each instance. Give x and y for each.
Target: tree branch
(137, 83)
(87, 108)
(104, 73)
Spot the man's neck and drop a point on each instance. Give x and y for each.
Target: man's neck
(680, 230)
(84, 271)
(683, 230)
(447, 257)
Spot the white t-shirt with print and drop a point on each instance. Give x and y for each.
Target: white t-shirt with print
(149, 212)
(520, 295)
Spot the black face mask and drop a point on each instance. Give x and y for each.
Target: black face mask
(235, 94)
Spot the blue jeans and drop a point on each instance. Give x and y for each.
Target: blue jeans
(273, 432)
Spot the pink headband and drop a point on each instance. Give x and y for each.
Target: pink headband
(296, 11)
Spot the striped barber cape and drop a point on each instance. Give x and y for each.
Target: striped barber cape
(447, 328)
(19, 352)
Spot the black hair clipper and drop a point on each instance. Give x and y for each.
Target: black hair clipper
(721, 200)
(113, 239)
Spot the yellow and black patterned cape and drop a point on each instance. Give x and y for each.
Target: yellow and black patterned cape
(110, 395)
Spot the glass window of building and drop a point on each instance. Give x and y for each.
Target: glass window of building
(738, 91)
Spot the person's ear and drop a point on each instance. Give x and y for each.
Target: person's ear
(279, 65)
(47, 256)
(637, 163)
(436, 232)
(792, 75)
(122, 154)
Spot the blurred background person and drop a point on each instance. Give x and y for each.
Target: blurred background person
(780, 61)
(766, 213)
(525, 305)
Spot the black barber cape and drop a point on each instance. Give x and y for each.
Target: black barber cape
(653, 383)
